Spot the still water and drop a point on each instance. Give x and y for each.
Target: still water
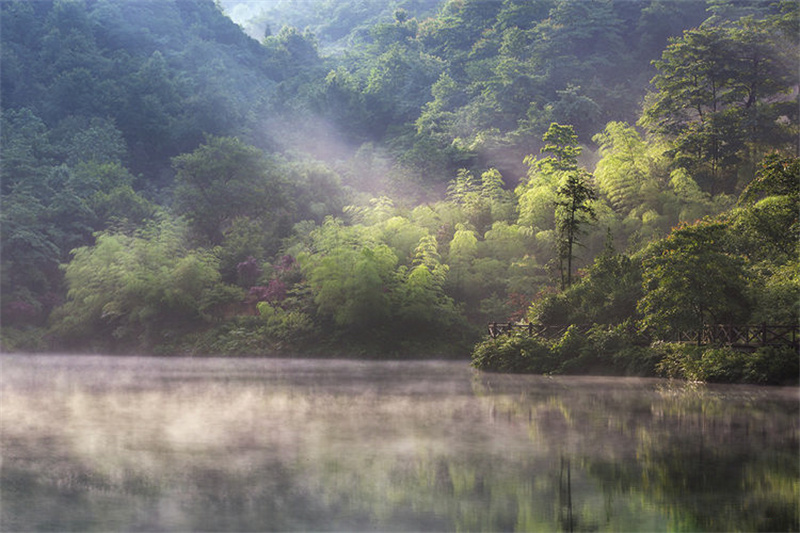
(93, 443)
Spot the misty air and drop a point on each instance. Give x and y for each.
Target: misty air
(399, 265)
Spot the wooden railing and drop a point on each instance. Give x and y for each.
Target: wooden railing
(536, 330)
(743, 336)
(737, 336)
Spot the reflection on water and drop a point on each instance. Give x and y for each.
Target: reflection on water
(147, 444)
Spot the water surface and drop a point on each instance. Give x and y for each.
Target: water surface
(93, 443)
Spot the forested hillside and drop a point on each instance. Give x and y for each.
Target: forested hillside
(389, 176)
(335, 24)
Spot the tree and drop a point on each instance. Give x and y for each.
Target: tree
(29, 276)
(762, 80)
(298, 49)
(225, 179)
(27, 151)
(350, 285)
(777, 176)
(460, 258)
(693, 92)
(562, 143)
(578, 42)
(573, 211)
(626, 168)
(398, 85)
(724, 95)
(765, 225)
(634, 175)
(480, 200)
(350, 274)
(689, 280)
(537, 195)
(135, 292)
(606, 294)
(421, 302)
(557, 181)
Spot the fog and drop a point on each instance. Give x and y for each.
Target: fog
(253, 444)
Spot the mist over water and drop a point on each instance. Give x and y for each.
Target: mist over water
(157, 444)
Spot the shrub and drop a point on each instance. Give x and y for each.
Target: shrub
(611, 351)
(239, 336)
(767, 365)
(634, 360)
(723, 365)
(623, 350)
(681, 361)
(517, 353)
(773, 365)
(282, 325)
(28, 339)
(575, 354)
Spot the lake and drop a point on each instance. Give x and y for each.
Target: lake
(93, 443)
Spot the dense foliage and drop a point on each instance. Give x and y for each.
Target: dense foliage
(727, 269)
(387, 179)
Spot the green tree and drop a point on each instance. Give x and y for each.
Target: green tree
(561, 143)
(765, 230)
(762, 81)
(577, 42)
(398, 85)
(776, 290)
(291, 50)
(557, 181)
(634, 175)
(135, 292)
(537, 195)
(692, 95)
(26, 148)
(721, 93)
(573, 211)
(626, 172)
(225, 179)
(607, 294)
(422, 304)
(777, 176)
(690, 280)
(402, 235)
(350, 274)
(476, 197)
(342, 101)
(461, 255)
(29, 259)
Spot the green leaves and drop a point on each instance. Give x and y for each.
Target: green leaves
(689, 280)
(420, 299)
(557, 182)
(359, 283)
(348, 272)
(562, 143)
(721, 90)
(737, 268)
(625, 166)
(777, 176)
(350, 285)
(225, 179)
(131, 292)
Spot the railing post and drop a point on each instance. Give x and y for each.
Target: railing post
(763, 334)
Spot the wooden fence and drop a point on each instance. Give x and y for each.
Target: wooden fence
(743, 336)
(536, 330)
(736, 336)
